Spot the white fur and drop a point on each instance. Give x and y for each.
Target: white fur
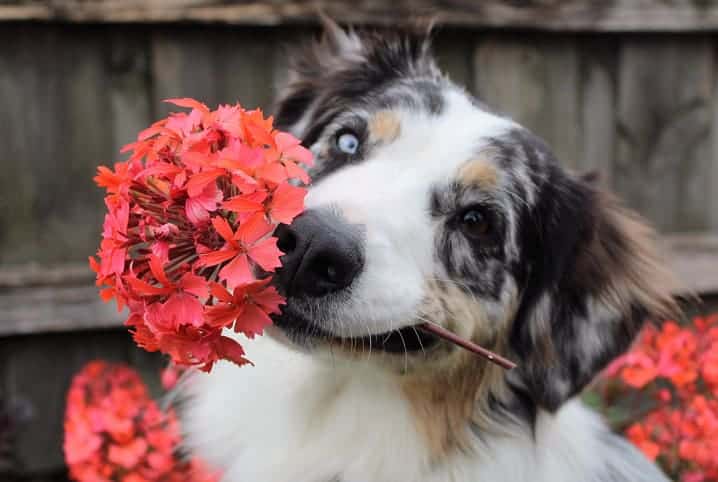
(294, 419)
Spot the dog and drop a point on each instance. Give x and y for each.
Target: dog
(427, 206)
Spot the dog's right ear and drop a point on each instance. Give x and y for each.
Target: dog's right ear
(309, 67)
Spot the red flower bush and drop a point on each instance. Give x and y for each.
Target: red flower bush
(187, 241)
(115, 432)
(676, 369)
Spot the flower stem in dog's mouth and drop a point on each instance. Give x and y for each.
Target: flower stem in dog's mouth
(466, 344)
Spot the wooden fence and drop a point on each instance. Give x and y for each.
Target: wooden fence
(628, 91)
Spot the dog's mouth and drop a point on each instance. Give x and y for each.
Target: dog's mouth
(408, 339)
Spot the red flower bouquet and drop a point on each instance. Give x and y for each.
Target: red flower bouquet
(670, 378)
(115, 432)
(187, 241)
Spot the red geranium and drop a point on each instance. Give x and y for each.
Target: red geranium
(676, 369)
(115, 432)
(187, 241)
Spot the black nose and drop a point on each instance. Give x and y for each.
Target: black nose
(323, 254)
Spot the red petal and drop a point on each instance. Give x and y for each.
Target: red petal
(161, 249)
(219, 292)
(273, 172)
(196, 285)
(129, 454)
(183, 309)
(231, 350)
(195, 212)
(287, 203)
(223, 229)
(94, 265)
(266, 254)
(260, 134)
(160, 169)
(254, 228)
(296, 172)
(291, 147)
(285, 141)
(216, 257)
(252, 321)
(246, 203)
(188, 103)
(269, 299)
(159, 272)
(210, 197)
(244, 183)
(222, 315)
(237, 272)
(197, 182)
(145, 289)
(151, 131)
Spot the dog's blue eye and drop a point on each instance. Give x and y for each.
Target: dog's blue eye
(348, 143)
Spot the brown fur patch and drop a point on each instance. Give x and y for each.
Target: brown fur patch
(449, 394)
(384, 126)
(479, 172)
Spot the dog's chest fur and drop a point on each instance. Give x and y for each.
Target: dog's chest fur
(291, 419)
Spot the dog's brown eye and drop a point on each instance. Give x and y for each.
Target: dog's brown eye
(475, 223)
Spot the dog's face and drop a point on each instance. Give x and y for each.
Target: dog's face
(427, 207)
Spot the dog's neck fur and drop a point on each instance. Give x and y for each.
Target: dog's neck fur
(292, 418)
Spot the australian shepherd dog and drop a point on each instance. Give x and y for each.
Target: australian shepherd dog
(427, 206)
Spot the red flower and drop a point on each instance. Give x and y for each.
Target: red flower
(248, 243)
(640, 437)
(677, 367)
(249, 304)
(115, 432)
(197, 203)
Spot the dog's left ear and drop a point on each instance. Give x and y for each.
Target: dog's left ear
(596, 276)
(344, 65)
(310, 66)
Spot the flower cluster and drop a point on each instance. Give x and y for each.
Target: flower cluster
(187, 241)
(115, 432)
(676, 367)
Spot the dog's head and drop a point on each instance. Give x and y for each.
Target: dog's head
(427, 206)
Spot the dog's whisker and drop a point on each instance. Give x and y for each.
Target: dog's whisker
(418, 337)
(406, 351)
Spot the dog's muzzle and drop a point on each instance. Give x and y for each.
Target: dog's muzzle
(324, 256)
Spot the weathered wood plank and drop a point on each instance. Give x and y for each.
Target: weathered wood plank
(54, 129)
(664, 116)
(694, 259)
(58, 308)
(535, 80)
(598, 106)
(555, 15)
(712, 174)
(33, 274)
(453, 52)
(129, 88)
(216, 65)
